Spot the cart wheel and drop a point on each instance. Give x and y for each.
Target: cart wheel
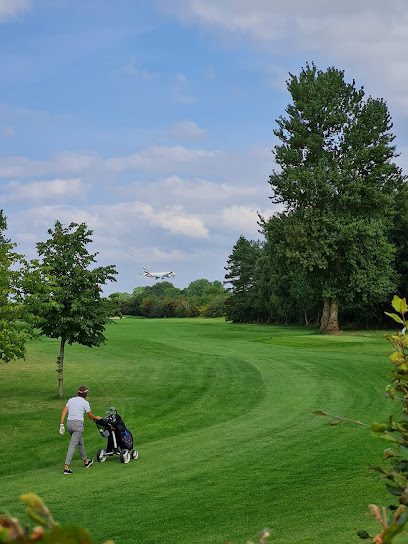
(124, 456)
(101, 455)
(134, 454)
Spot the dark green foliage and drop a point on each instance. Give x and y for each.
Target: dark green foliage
(14, 273)
(241, 273)
(400, 240)
(344, 216)
(338, 183)
(162, 299)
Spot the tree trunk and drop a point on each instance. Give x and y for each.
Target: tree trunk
(330, 318)
(60, 363)
(325, 316)
(333, 325)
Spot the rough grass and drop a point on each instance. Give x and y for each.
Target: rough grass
(221, 417)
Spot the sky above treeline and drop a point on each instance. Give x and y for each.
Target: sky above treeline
(152, 120)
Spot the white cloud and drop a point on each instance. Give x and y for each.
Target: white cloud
(252, 165)
(123, 218)
(243, 219)
(160, 159)
(368, 37)
(59, 164)
(176, 221)
(43, 191)
(187, 131)
(11, 8)
(155, 254)
(194, 193)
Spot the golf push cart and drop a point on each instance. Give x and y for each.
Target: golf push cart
(120, 439)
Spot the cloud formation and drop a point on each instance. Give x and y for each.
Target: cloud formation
(335, 30)
(187, 131)
(42, 191)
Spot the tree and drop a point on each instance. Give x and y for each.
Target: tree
(203, 291)
(14, 273)
(73, 310)
(338, 183)
(399, 239)
(285, 291)
(241, 267)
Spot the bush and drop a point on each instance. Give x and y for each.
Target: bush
(46, 529)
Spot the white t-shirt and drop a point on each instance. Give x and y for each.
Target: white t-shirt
(77, 407)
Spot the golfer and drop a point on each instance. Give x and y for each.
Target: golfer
(76, 408)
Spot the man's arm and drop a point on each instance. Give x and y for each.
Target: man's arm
(91, 416)
(64, 413)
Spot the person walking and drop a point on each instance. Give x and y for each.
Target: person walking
(76, 407)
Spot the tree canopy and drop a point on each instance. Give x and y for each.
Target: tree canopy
(73, 308)
(12, 335)
(334, 242)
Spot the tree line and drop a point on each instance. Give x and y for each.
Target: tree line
(201, 298)
(337, 249)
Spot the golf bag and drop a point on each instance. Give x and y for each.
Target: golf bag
(120, 439)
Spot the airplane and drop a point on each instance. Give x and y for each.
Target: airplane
(157, 275)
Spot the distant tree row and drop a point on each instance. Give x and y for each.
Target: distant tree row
(200, 298)
(338, 248)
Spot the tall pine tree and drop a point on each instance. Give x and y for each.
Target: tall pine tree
(241, 272)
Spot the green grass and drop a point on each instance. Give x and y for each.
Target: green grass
(221, 417)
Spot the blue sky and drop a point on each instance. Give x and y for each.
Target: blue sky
(152, 121)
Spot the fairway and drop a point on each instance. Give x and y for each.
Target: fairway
(220, 414)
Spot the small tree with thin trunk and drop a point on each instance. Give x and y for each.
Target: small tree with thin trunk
(72, 308)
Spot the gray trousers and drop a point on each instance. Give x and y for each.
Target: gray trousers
(75, 428)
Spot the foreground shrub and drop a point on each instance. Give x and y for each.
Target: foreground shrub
(46, 530)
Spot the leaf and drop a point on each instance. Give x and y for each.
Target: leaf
(396, 491)
(33, 500)
(395, 317)
(363, 535)
(336, 422)
(4, 534)
(400, 305)
(386, 437)
(404, 452)
(378, 427)
(397, 358)
(319, 413)
(389, 452)
(36, 517)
